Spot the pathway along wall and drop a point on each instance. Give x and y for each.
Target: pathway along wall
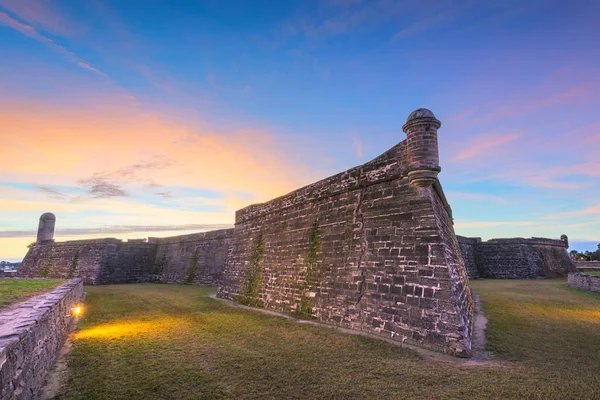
(31, 334)
(371, 249)
(516, 258)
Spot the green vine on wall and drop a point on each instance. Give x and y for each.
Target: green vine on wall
(74, 264)
(160, 265)
(45, 270)
(254, 275)
(314, 273)
(193, 267)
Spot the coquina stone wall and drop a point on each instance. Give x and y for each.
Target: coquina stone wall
(96, 261)
(468, 247)
(31, 334)
(197, 259)
(516, 258)
(371, 249)
(578, 280)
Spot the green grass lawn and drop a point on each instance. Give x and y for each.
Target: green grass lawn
(153, 341)
(597, 273)
(14, 290)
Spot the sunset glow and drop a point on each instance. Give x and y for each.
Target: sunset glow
(128, 121)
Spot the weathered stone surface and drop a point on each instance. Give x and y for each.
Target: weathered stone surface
(369, 249)
(96, 261)
(46, 228)
(468, 251)
(516, 258)
(31, 334)
(198, 258)
(591, 283)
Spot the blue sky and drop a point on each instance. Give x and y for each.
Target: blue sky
(165, 116)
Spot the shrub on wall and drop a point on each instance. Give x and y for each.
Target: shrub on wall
(74, 265)
(254, 274)
(192, 267)
(160, 265)
(313, 273)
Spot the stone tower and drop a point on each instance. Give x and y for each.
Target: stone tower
(422, 147)
(46, 228)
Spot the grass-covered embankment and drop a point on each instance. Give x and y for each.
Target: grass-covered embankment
(15, 290)
(174, 342)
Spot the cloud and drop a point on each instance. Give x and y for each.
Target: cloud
(579, 213)
(481, 145)
(100, 188)
(488, 224)
(350, 17)
(127, 159)
(425, 24)
(118, 229)
(42, 14)
(53, 194)
(481, 197)
(31, 32)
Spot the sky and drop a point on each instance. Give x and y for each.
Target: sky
(136, 118)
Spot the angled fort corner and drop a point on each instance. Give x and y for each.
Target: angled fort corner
(387, 261)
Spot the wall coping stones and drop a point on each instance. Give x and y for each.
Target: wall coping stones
(590, 283)
(208, 235)
(31, 334)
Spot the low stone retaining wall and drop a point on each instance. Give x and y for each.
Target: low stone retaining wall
(31, 334)
(587, 266)
(591, 283)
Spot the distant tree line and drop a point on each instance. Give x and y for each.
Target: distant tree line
(6, 264)
(586, 255)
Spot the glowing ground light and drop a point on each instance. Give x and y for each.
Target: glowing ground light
(76, 311)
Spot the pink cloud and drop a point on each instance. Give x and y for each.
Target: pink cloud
(480, 145)
(358, 148)
(41, 14)
(586, 211)
(480, 197)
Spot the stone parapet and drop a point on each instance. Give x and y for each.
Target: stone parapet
(591, 283)
(31, 334)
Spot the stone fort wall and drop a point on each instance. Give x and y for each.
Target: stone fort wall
(196, 258)
(516, 258)
(371, 249)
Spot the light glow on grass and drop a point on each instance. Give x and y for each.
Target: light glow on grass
(127, 329)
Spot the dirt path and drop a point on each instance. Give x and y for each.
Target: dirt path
(480, 356)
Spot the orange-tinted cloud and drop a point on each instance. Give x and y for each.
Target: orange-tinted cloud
(119, 143)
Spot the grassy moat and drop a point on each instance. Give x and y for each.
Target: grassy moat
(174, 342)
(16, 290)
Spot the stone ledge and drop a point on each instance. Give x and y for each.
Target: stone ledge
(590, 283)
(31, 334)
